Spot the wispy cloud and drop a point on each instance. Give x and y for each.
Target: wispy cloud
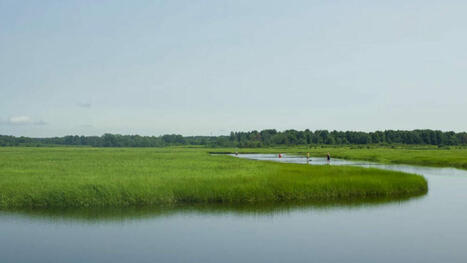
(40, 122)
(19, 120)
(84, 104)
(22, 120)
(86, 126)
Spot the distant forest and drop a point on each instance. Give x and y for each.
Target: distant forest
(251, 139)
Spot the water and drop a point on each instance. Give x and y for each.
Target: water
(432, 228)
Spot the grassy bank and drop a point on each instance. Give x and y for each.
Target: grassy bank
(417, 155)
(122, 177)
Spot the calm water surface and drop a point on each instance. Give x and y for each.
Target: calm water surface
(432, 228)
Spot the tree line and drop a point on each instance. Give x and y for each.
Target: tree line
(251, 139)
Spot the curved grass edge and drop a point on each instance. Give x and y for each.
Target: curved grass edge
(118, 180)
(326, 191)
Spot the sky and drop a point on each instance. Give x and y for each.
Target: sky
(210, 67)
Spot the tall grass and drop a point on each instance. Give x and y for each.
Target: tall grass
(96, 177)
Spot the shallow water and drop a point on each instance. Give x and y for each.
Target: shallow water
(431, 228)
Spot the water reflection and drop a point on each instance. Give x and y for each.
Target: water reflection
(137, 213)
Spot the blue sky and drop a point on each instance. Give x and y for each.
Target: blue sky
(210, 67)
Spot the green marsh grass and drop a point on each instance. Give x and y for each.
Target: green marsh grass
(135, 177)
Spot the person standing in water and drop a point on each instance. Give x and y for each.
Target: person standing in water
(307, 157)
(328, 157)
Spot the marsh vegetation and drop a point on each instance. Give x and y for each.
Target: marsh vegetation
(129, 177)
